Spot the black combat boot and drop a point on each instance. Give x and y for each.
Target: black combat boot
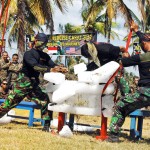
(46, 127)
(114, 138)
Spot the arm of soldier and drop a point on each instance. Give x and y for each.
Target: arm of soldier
(15, 67)
(55, 67)
(5, 66)
(134, 27)
(51, 63)
(130, 61)
(31, 60)
(11, 68)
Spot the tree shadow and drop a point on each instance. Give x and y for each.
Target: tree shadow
(127, 137)
(123, 136)
(25, 123)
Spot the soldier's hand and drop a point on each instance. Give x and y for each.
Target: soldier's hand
(55, 69)
(9, 63)
(122, 49)
(125, 54)
(59, 69)
(134, 27)
(63, 69)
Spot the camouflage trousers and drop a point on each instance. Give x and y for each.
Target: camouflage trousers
(126, 105)
(24, 87)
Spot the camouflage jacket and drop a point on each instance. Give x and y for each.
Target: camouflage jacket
(14, 69)
(4, 69)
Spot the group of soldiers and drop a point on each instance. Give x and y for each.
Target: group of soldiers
(27, 83)
(9, 70)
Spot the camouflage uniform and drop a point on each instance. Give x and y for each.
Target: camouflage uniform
(128, 104)
(3, 69)
(22, 88)
(13, 70)
(27, 83)
(132, 101)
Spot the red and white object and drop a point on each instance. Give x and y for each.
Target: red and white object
(52, 50)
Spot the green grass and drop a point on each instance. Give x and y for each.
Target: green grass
(17, 136)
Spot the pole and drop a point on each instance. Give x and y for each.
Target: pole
(61, 121)
(2, 3)
(5, 21)
(1, 10)
(103, 132)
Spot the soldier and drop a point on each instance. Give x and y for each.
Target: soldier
(4, 65)
(14, 69)
(101, 53)
(141, 97)
(134, 86)
(3, 89)
(27, 83)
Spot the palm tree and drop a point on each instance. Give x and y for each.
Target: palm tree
(69, 28)
(93, 18)
(144, 23)
(145, 13)
(111, 7)
(29, 14)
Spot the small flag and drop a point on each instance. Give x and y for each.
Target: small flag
(70, 50)
(52, 50)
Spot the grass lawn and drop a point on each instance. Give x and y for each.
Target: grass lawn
(17, 136)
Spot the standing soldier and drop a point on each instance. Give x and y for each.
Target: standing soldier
(4, 65)
(141, 97)
(13, 70)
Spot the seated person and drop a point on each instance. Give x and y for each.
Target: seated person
(3, 89)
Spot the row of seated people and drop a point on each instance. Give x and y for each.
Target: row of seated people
(9, 70)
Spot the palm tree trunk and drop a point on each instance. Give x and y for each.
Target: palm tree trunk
(2, 7)
(21, 30)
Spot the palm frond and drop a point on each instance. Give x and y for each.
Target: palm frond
(125, 11)
(101, 18)
(93, 12)
(133, 37)
(43, 12)
(114, 35)
(29, 16)
(13, 36)
(135, 18)
(110, 10)
(99, 26)
(85, 2)
(141, 4)
(62, 5)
